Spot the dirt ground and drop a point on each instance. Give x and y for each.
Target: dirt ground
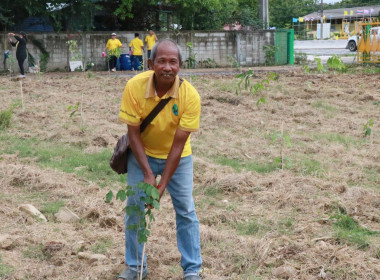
(258, 219)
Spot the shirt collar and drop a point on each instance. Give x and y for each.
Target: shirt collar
(151, 91)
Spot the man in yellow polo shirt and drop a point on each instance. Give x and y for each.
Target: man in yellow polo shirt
(163, 149)
(112, 45)
(138, 47)
(150, 39)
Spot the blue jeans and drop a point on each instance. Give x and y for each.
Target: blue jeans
(180, 188)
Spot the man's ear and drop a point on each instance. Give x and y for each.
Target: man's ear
(150, 63)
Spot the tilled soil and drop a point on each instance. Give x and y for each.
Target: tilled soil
(259, 219)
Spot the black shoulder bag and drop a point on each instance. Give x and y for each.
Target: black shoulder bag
(119, 159)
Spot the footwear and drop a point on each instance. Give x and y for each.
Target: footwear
(129, 274)
(21, 76)
(113, 69)
(192, 277)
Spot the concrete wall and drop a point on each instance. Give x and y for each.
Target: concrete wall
(245, 46)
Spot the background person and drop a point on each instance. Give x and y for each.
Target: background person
(112, 45)
(138, 47)
(21, 53)
(150, 39)
(163, 149)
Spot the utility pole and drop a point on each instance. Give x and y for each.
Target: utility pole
(264, 13)
(322, 20)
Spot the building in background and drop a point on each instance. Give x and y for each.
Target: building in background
(339, 23)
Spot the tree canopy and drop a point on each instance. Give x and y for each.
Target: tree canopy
(82, 15)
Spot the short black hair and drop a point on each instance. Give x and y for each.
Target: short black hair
(137, 34)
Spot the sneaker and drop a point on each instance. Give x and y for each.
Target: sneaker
(129, 274)
(113, 70)
(21, 76)
(192, 277)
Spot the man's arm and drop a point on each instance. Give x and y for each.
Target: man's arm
(174, 157)
(139, 152)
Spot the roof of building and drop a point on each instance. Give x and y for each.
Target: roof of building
(355, 12)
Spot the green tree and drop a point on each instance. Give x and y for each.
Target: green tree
(281, 12)
(70, 15)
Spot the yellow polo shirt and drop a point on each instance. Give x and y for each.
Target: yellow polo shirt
(182, 111)
(113, 44)
(151, 40)
(137, 45)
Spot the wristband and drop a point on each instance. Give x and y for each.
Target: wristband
(158, 186)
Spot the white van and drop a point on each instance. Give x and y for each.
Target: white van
(352, 43)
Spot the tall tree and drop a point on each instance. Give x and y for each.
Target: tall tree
(281, 12)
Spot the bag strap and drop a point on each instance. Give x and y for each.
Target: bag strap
(153, 113)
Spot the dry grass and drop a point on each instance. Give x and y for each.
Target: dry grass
(255, 218)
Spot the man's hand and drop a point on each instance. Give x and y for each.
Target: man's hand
(150, 179)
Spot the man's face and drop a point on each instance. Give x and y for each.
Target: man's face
(150, 32)
(166, 64)
(113, 36)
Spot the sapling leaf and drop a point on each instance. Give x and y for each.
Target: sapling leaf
(132, 227)
(130, 192)
(121, 195)
(287, 140)
(261, 100)
(148, 191)
(109, 196)
(155, 204)
(155, 194)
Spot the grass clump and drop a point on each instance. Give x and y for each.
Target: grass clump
(337, 138)
(309, 166)
(322, 105)
(36, 252)
(250, 228)
(6, 117)
(63, 157)
(5, 270)
(239, 165)
(348, 231)
(52, 208)
(102, 246)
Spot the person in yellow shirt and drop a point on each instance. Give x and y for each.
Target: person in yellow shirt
(137, 46)
(150, 39)
(112, 45)
(162, 149)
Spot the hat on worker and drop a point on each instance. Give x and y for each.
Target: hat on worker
(113, 34)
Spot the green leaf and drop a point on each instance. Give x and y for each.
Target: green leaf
(121, 195)
(261, 100)
(155, 194)
(131, 209)
(130, 192)
(368, 132)
(109, 196)
(69, 108)
(148, 191)
(148, 200)
(287, 140)
(155, 204)
(132, 227)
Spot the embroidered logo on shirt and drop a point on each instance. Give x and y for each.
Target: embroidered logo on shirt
(175, 109)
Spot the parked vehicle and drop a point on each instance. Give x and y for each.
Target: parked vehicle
(352, 42)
